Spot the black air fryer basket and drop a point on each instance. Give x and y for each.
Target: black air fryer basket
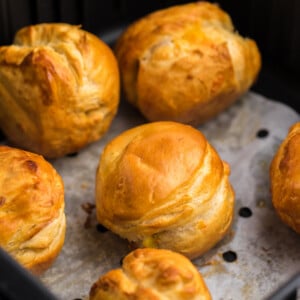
(273, 24)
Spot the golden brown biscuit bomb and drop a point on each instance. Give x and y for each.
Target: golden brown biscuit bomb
(185, 63)
(163, 185)
(285, 179)
(59, 89)
(152, 274)
(32, 218)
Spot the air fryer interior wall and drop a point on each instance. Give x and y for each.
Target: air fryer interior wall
(274, 25)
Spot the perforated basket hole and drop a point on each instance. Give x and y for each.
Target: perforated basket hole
(101, 228)
(229, 256)
(262, 133)
(245, 212)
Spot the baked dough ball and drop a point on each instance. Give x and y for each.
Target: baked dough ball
(185, 63)
(59, 89)
(154, 274)
(285, 179)
(162, 185)
(32, 218)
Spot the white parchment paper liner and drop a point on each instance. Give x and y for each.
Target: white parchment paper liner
(268, 252)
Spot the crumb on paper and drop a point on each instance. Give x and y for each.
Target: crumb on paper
(88, 207)
(261, 203)
(84, 185)
(212, 262)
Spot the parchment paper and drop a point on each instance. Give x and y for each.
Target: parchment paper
(268, 252)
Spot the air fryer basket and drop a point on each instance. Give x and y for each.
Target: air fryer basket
(274, 101)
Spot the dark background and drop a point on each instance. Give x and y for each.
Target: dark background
(273, 24)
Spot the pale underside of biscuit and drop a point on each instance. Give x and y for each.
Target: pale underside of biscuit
(38, 253)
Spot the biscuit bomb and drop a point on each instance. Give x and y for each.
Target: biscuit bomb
(185, 63)
(59, 89)
(152, 274)
(163, 185)
(285, 179)
(32, 217)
